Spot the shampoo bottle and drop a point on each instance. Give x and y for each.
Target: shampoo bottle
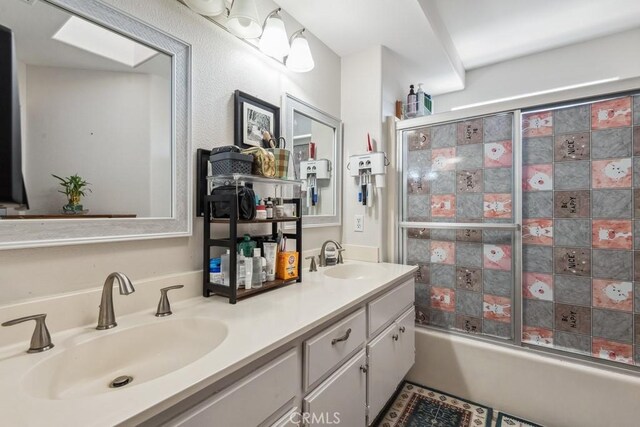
(240, 271)
(420, 101)
(256, 275)
(224, 268)
(248, 268)
(411, 102)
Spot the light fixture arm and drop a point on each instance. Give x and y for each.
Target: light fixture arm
(274, 12)
(296, 34)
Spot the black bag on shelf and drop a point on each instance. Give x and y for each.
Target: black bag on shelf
(246, 202)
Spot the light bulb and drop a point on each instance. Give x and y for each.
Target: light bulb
(274, 41)
(243, 20)
(300, 59)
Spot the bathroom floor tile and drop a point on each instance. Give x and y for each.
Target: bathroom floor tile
(537, 286)
(496, 308)
(443, 275)
(469, 324)
(613, 325)
(613, 294)
(497, 205)
(498, 154)
(469, 181)
(443, 299)
(537, 313)
(537, 336)
(443, 206)
(572, 232)
(444, 182)
(612, 264)
(469, 206)
(419, 139)
(572, 119)
(469, 157)
(469, 254)
(536, 151)
(443, 252)
(612, 234)
(572, 261)
(469, 278)
(498, 127)
(537, 231)
(611, 143)
(572, 342)
(498, 180)
(613, 173)
(469, 132)
(443, 136)
(573, 318)
(612, 204)
(537, 204)
(572, 204)
(574, 175)
(572, 146)
(497, 257)
(537, 124)
(498, 282)
(611, 113)
(612, 350)
(572, 289)
(537, 178)
(537, 259)
(469, 303)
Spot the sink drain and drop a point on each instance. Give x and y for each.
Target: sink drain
(121, 381)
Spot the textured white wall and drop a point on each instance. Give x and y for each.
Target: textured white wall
(221, 64)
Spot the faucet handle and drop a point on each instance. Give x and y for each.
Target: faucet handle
(41, 339)
(312, 266)
(164, 308)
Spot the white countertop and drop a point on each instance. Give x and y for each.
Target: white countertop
(256, 326)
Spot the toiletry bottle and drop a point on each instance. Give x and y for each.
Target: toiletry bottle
(261, 211)
(246, 246)
(248, 275)
(256, 275)
(224, 268)
(420, 101)
(240, 271)
(214, 270)
(411, 102)
(269, 208)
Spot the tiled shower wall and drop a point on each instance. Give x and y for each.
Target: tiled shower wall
(581, 223)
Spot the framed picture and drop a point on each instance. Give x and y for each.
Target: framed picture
(252, 117)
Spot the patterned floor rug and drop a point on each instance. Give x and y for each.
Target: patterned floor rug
(506, 420)
(417, 406)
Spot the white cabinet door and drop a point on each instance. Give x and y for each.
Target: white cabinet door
(341, 398)
(391, 355)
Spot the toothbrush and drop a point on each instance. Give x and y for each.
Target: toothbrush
(369, 191)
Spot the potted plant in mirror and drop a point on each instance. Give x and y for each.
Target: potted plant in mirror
(75, 188)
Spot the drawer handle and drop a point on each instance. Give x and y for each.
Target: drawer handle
(395, 337)
(342, 338)
(402, 329)
(364, 369)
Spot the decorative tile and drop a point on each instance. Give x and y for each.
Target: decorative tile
(614, 294)
(537, 178)
(537, 336)
(422, 293)
(469, 254)
(498, 154)
(537, 313)
(615, 173)
(498, 180)
(611, 143)
(419, 162)
(636, 266)
(537, 204)
(443, 252)
(572, 175)
(470, 206)
(469, 157)
(443, 206)
(418, 208)
(418, 250)
(537, 259)
(572, 204)
(443, 299)
(422, 274)
(443, 182)
(572, 290)
(572, 146)
(612, 234)
(497, 236)
(636, 234)
(442, 233)
(498, 282)
(469, 303)
(575, 261)
(537, 151)
(636, 110)
(469, 234)
(572, 232)
(496, 329)
(418, 233)
(611, 113)
(469, 181)
(443, 319)
(443, 136)
(612, 203)
(537, 231)
(636, 139)
(498, 127)
(469, 132)
(537, 124)
(422, 313)
(613, 325)
(497, 257)
(469, 278)
(497, 205)
(573, 318)
(611, 350)
(418, 184)
(443, 275)
(612, 264)
(636, 328)
(537, 286)
(573, 119)
(469, 324)
(496, 308)
(443, 159)
(573, 342)
(419, 139)
(636, 203)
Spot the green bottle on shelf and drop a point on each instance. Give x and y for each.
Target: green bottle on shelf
(247, 246)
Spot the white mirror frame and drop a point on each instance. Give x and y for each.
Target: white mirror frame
(57, 232)
(291, 105)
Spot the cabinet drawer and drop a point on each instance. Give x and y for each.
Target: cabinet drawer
(387, 307)
(264, 392)
(291, 419)
(331, 346)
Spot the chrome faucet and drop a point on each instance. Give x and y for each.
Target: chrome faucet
(106, 316)
(41, 339)
(324, 261)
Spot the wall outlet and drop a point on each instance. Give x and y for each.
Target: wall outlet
(359, 223)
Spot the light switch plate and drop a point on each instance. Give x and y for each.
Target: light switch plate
(359, 223)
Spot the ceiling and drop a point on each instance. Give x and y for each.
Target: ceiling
(441, 39)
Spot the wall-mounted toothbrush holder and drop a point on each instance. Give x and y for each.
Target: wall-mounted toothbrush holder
(320, 168)
(370, 169)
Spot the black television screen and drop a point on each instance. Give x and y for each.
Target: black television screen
(12, 188)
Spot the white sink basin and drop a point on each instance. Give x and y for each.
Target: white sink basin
(144, 352)
(354, 271)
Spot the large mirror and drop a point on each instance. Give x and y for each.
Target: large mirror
(315, 139)
(100, 127)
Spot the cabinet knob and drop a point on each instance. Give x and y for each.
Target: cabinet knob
(364, 369)
(402, 329)
(395, 337)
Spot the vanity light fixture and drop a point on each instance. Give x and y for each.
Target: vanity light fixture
(207, 7)
(243, 19)
(274, 41)
(300, 59)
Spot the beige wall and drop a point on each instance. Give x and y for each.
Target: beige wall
(221, 63)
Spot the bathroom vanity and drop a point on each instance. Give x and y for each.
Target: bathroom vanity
(333, 347)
